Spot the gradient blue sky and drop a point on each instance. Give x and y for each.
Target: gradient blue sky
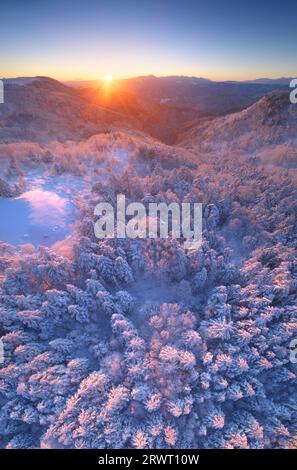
(88, 39)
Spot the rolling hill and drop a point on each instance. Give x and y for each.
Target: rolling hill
(45, 109)
(267, 129)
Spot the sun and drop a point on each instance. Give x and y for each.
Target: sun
(108, 78)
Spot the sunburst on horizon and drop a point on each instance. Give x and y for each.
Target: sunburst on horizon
(108, 78)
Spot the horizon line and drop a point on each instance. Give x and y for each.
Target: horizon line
(77, 80)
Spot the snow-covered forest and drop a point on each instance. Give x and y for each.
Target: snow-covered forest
(140, 343)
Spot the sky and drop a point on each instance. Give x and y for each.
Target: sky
(86, 40)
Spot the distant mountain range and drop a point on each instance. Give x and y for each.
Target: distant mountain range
(196, 93)
(195, 80)
(272, 81)
(195, 112)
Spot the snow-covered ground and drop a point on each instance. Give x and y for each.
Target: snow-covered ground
(45, 209)
(38, 217)
(141, 343)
